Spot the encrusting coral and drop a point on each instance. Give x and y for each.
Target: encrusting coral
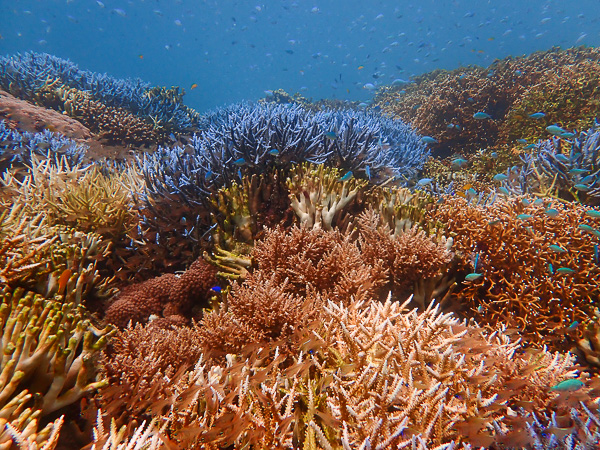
(171, 298)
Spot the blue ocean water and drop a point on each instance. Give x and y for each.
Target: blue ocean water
(225, 51)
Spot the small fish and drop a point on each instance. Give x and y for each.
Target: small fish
(63, 280)
(538, 202)
(424, 181)
(216, 289)
(494, 222)
(459, 163)
(552, 212)
(360, 67)
(557, 248)
(368, 172)
(570, 385)
(482, 116)
(588, 179)
(586, 227)
(494, 155)
(593, 213)
(524, 216)
(566, 135)
(120, 12)
(371, 87)
(529, 146)
(522, 141)
(473, 276)
(537, 115)
(565, 270)
(141, 56)
(525, 202)
(582, 187)
(577, 171)
(346, 176)
(551, 268)
(274, 152)
(208, 175)
(562, 158)
(471, 192)
(503, 190)
(331, 135)
(193, 86)
(555, 130)
(239, 162)
(429, 140)
(500, 177)
(573, 325)
(596, 253)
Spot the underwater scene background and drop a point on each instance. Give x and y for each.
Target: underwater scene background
(308, 225)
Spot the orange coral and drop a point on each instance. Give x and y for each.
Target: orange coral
(538, 272)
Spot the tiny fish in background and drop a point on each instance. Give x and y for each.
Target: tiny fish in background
(537, 115)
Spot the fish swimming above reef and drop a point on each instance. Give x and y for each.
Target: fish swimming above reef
(481, 116)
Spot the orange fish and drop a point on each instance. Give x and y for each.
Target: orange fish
(361, 67)
(194, 86)
(63, 280)
(141, 56)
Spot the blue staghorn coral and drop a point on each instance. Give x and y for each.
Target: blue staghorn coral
(17, 146)
(27, 73)
(251, 138)
(567, 168)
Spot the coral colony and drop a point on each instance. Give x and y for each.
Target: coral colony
(417, 273)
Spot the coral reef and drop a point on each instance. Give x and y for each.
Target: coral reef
(532, 264)
(169, 297)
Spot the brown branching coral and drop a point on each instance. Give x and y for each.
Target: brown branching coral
(142, 365)
(326, 261)
(371, 374)
(169, 296)
(260, 311)
(538, 273)
(410, 257)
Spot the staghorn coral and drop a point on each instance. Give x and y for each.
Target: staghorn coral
(561, 168)
(371, 374)
(537, 263)
(143, 364)
(168, 296)
(145, 437)
(23, 75)
(48, 350)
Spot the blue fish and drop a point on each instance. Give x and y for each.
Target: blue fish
(551, 212)
(566, 135)
(573, 325)
(562, 158)
(494, 222)
(593, 213)
(494, 155)
(459, 163)
(500, 177)
(473, 276)
(503, 190)
(586, 227)
(577, 171)
(274, 152)
(331, 135)
(429, 140)
(368, 172)
(482, 116)
(216, 288)
(551, 268)
(528, 146)
(555, 130)
(538, 202)
(524, 216)
(525, 202)
(208, 175)
(346, 176)
(239, 162)
(582, 187)
(570, 385)
(565, 270)
(557, 248)
(522, 141)
(596, 253)
(537, 115)
(588, 179)
(424, 181)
